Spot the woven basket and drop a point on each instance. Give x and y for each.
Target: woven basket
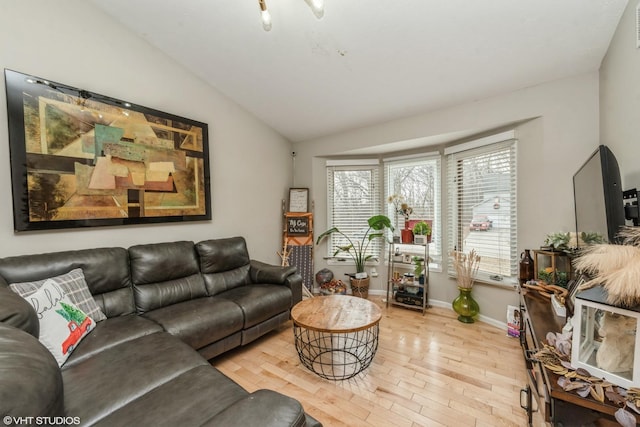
(360, 287)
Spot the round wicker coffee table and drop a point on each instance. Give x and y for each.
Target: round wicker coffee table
(336, 336)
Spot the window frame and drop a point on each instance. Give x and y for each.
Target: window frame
(504, 142)
(435, 247)
(376, 248)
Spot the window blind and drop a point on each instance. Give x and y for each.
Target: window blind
(482, 208)
(417, 180)
(354, 197)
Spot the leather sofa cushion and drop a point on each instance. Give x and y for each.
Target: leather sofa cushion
(29, 375)
(225, 263)
(161, 262)
(259, 409)
(110, 333)
(225, 280)
(165, 274)
(201, 321)
(259, 302)
(162, 294)
(105, 382)
(222, 254)
(187, 400)
(105, 269)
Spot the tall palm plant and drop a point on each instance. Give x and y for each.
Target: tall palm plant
(357, 249)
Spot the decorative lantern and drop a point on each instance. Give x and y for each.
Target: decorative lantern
(605, 340)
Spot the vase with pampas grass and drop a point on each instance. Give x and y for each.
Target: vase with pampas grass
(615, 267)
(466, 266)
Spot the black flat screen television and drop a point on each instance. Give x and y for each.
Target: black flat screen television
(597, 192)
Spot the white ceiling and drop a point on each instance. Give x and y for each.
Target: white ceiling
(370, 61)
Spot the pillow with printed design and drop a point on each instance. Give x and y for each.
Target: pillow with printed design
(62, 324)
(73, 284)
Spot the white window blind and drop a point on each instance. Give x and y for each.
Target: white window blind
(482, 207)
(417, 180)
(354, 197)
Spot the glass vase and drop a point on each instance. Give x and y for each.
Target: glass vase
(466, 307)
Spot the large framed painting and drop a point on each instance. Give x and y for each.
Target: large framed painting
(81, 159)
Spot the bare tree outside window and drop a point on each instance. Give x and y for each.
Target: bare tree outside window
(418, 183)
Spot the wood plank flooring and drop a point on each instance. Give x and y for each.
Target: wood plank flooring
(429, 370)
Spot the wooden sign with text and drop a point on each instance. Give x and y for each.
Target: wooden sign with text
(297, 225)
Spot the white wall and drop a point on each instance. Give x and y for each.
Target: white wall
(71, 42)
(620, 98)
(562, 133)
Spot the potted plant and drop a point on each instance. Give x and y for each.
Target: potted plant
(422, 233)
(466, 266)
(417, 271)
(357, 250)
(406, 234)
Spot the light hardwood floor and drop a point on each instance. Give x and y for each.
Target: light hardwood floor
(429, 370)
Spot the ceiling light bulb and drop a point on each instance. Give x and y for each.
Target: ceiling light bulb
(266, 20)
(265, 15)
(317, 6)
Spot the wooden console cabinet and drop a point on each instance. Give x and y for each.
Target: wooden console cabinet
(542, 393)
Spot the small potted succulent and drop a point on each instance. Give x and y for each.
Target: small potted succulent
(422, 233)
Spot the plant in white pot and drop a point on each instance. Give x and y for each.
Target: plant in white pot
(357, 249)
(422, 232)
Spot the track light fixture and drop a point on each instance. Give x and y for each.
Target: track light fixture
(316, 6)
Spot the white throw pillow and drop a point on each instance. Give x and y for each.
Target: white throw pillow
(73, 284)
(62, 323)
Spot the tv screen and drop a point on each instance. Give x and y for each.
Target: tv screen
(597, 194)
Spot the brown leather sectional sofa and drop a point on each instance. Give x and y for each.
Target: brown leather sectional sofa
(170, 307)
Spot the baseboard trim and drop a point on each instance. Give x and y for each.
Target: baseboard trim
(445, 304)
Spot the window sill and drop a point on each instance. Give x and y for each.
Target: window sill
(343, 261)
(506, 283)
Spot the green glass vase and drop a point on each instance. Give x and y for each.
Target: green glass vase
(466, 307)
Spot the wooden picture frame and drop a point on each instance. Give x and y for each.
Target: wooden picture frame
(298, 200)
(81, 159)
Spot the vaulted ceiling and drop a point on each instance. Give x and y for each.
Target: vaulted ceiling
(370, 61)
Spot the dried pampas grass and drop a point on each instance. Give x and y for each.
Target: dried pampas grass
(466, 267)
(623, 285)
(604, 258)
(615, 267)
(630, 235)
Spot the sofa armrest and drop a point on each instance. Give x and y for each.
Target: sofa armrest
(267, 273)
(31, 382)
(265, 408)
(261, 272)
(17, 312)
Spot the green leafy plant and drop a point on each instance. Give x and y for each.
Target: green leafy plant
(591, 238)
(357, 248)
(558, 240)
(548, 275)
(570, 241)
(422, 228)
(417, 272)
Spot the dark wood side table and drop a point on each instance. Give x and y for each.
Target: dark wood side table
(542, 393)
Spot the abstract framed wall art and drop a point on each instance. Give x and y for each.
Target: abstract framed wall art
(81, 159)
